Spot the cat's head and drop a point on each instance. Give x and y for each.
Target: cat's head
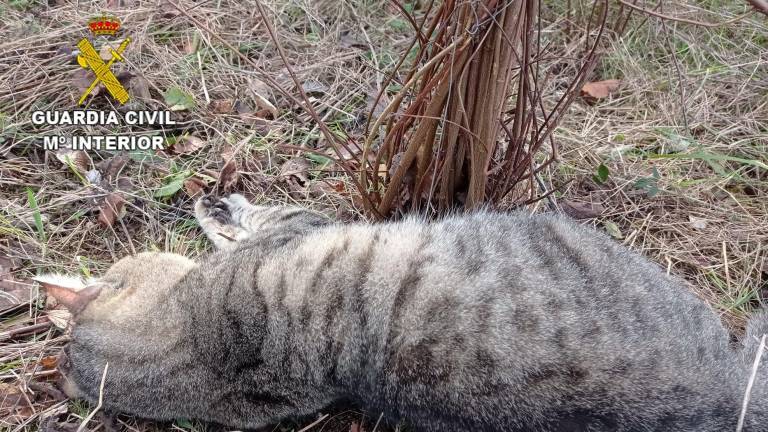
(124, 322)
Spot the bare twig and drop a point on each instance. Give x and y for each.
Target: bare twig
(84, 424)
(688, 21)
(748, 391)
(313, 424)
(304, 104)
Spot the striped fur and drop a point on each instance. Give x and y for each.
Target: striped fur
(492, 322)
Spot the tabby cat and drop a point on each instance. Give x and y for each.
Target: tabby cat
(482, 322)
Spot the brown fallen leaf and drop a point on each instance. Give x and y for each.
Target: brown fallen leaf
(228, 176)
(599, 89)
(79, 159)
(81, 80)
(187, 144)
(265, 107)
(258, 86)
(13, 292)
(105, 52)
(111, 209)
(194, 187)
(314, 87)
(138, 87)
(297, 167)
(110, 168)
(260, 92)
(581, 210)
(61, 317)
(222, 106)
(349, 39)
(48, 362)
(14, 407)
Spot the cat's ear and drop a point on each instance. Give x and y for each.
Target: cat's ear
(69, 291)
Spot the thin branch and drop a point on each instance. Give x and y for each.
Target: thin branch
(313, 424)
(304, 103)
(101, 400)
(748, 391)
(688, 21)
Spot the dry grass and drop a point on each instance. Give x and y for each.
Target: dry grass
(690, 98)
(709, 220)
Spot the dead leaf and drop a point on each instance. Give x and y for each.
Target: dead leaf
(194, 187)
(599, 89)
(125, 184)
(227, 152)
(111, 209)
(314, 87)
(7, 265)
(14, 407)
(697, 223)
(222, 106)
(79, 159)
(350, 40)
(258, 86)
(349, 152)
(105, 52)
(111, 168)
(81, 81)
(138, 87)
(48, 362)
(12, 291)
(187, 144)
(355, 427)
(260, 91)
(581, 210)
(59, 317)
(266, 109)
(296, 167)
(168, 10)
(228, 176)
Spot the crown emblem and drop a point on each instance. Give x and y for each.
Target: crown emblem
(104, 25)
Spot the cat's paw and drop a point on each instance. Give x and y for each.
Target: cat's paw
(224, 210)
(213, 207)
(220, 218)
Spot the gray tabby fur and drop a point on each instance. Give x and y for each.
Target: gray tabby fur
(485, 322)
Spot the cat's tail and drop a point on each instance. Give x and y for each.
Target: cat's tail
(756, 328)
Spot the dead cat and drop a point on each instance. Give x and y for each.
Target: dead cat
(481, 322)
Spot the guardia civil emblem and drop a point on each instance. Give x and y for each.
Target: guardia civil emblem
(89, 58)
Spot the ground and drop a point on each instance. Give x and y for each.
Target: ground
(672, 163)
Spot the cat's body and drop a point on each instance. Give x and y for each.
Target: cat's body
(485, 322)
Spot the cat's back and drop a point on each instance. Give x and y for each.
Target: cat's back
(549, 280)
(538, 308)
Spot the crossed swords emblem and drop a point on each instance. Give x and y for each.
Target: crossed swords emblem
(90, 59)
